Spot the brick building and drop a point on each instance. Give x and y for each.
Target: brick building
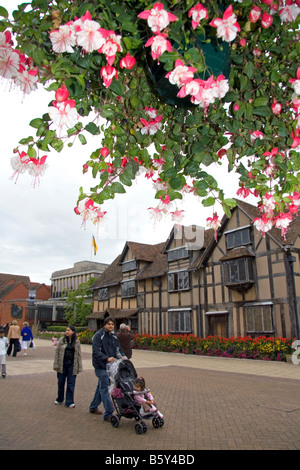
(17, 293)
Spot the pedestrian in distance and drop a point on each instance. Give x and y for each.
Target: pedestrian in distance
(14, 338)
(3, 351)
(106, 349)
(67, 364)
(27, 337)
(125, 336)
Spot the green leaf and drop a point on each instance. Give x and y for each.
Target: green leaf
(3, 12)
(118, 188)
(208, 202)
(36, 123)
(82, 139)
(262, 101)
(92, 128)
(263, 111)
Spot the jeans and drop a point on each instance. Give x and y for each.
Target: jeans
(67, 374)
(102, 394)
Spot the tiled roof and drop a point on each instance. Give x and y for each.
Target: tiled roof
(111, 276)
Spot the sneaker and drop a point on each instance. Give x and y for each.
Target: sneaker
(58, 402)
(107, 419)
(72, 405)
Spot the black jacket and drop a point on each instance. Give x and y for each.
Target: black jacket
(105, 345)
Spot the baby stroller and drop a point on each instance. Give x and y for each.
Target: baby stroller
(122, 376)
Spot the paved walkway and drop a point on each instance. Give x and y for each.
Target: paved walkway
(208, 404)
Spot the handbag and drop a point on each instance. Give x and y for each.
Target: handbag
(31, 344)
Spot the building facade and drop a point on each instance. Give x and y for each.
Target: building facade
(17, 294)
(238, 284)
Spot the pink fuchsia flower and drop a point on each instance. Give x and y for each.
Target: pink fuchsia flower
(152, 126)
(157, 18)
(214, 223)
(62, 94)
(64, 115)
(268, 204)
(63, 39)
(181, 75)
(282, 221)
(296, 198)
(244, 192)
(256, 135)
(263, 224)
(266, 20)
(227, 27)
(255, 14)
(157, 213)
(289, 12)
(27, 80)
(19, 164)
(104, 151)
(276, 107)
(9, 62)
(293, 208)
(36, 168)
(90, 212)
(296, 140)
(177, 216)
(159, 44)
(198, 13)
(236, 107)
(110, 48)
(107, 74)
(256, 52)
(5, 39)
(296, 82)
(243, 42)
(128, 62)
(89, 34)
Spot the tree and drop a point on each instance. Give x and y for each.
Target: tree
(179, 84)
(79, 303)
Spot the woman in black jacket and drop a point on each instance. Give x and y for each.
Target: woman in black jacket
(106, 349)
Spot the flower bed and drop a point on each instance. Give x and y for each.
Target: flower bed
(271, 349)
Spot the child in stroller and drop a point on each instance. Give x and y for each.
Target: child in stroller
(123, 378)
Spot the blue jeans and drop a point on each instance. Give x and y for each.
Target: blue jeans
(102, 394)
(66, 375)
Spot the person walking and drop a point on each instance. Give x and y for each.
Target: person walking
(67, 364)
(27, 336)
(106, 349)
(14, 338)
(3, 350)
(125, 336)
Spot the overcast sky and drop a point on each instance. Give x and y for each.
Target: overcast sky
(40, 232)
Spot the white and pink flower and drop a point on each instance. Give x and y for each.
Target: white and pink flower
(128, 62)
(63, 39)
(289, 12)
(159, 44)
(227, 27)
(198, 13)
(282, 221)
(263, 224)
(64, 115)
(296, 82)
(107, 74)
(181, 75)
(157, 18)
(214, 223)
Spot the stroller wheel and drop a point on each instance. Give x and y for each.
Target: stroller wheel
(115, 421)
(144, 427)
(161, 422)
(139, 429)
(156, 422)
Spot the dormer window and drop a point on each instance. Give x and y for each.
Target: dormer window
(239, 237)
(129, 266)
(178, 253)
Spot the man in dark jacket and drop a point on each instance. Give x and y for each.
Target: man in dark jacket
(106, 349)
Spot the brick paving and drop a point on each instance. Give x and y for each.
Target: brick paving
(204, 409)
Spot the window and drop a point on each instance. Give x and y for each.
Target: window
(103, 293)
(259, 319)
(237, 271)
(180, 321)
(129, 266)
(16, 312)
(128, 288)
(178, 253)
(238, 237)
(178, 281)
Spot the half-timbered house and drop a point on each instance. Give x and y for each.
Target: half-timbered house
(238, 284)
